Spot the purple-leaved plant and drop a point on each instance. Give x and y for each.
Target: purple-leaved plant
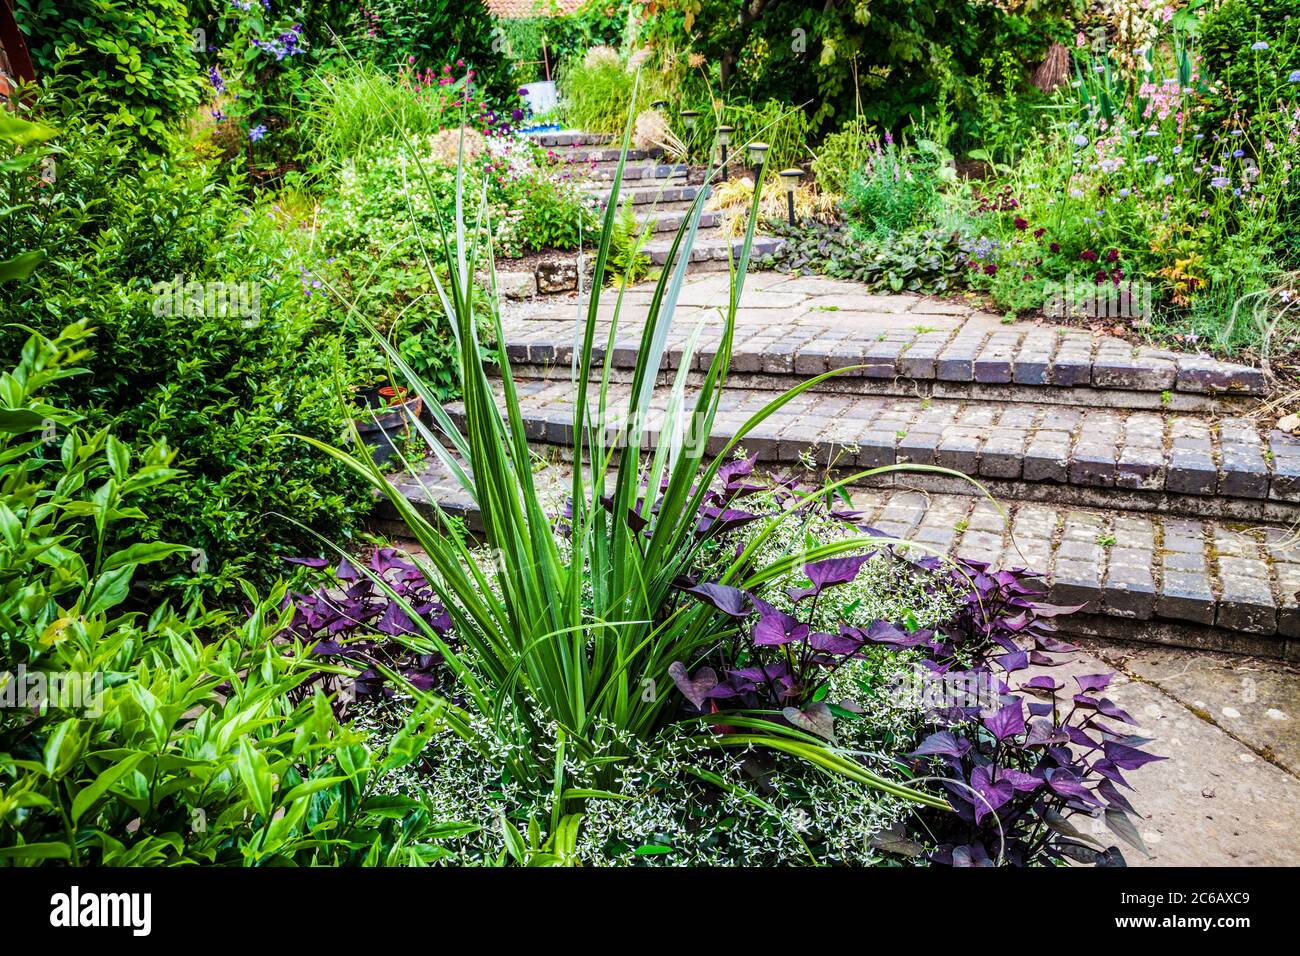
(1017, 757)
(355, 622)
(1021, 760)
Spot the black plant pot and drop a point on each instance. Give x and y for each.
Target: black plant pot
(387, 420)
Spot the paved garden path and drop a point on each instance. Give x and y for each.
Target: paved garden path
(1141, 483)
(1227, 793)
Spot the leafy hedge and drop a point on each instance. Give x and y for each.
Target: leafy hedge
(1230, 29)
(435, 32)
(224, 389)
(103, 758)
(135, 64)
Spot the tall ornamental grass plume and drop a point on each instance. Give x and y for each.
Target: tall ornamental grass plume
(564, 641)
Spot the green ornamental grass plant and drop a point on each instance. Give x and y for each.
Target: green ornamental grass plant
(558, 640)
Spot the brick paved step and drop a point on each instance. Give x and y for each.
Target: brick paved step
(712, 245)
(658, 191)
(640, 172)
(669, 220)
(1117, 459)
(1185, 582)
(587, 154)
(1038, 363)
(570, 137)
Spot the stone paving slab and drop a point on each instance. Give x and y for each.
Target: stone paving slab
(1172, 462)
(1255, 702)
(597, 155)
(640, 172)
(711, 245)
(820, 325)
(664, 191)
(1220, 798)
(1182, 577)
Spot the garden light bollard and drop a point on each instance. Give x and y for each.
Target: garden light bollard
(791, 179)
(724, 137)
(689, 118)
(757, 154)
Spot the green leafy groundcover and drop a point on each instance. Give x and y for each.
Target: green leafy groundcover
(918, 261)
(138, 733)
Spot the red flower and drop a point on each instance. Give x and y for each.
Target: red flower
(1112, 255)
(1054, 247)
(990, 270)
(1088, 255)
(1021, 223)
(1100, 277)
(1038, 233)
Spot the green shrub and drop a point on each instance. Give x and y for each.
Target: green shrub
(784, 128)
(369, 256)
(135, 735)
(927, 261)
(596, 89)
(351, 111)
(224, 384)
(897, 189)
(532, 43)
(259, 58)
(593, 23)
(625, 245)
(546, 213)
(843, 153)
(132, 64)
(20, 150)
